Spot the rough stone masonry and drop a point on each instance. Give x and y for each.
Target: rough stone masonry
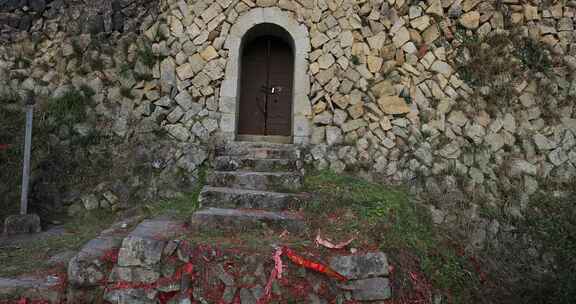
(377, 86)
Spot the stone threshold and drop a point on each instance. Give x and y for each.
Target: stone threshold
(276, 139)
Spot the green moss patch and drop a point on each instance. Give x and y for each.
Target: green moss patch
(182, 206)
(30, 256)
(70, 108)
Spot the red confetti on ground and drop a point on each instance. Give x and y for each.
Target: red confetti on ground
(421, 285)
(483, 276)
(110, 256)
(300, 289)
(164, 297)
(206, 255)
(185, 269)
(62, 284)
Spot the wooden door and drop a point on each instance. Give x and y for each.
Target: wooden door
(266, 88)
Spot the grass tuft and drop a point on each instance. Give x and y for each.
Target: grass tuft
(70, 108)
(389, 217)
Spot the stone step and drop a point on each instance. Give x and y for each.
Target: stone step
(248, 199)
(250, 180)
(236, 220)
(259, 150)
(231, 163)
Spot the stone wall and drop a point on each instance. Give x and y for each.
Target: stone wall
(391, 87)
(72, 16)
(93, 146)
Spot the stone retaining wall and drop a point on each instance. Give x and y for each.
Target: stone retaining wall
(72, 16)
(156, 263)
(384, 86)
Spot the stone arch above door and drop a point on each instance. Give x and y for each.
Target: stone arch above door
(230, 88)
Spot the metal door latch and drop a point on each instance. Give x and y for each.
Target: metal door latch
(277, 89)
(271, 90)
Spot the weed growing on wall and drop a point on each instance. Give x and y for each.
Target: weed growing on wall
(70, 108)
(533, 55)
(490, 62)
(146, 55)
(497, 62)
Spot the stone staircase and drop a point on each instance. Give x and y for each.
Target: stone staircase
(252, 185)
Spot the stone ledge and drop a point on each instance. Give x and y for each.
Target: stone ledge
(19, 224)
(239, 220)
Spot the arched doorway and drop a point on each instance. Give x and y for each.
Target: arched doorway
(267, 71)
(256, 23)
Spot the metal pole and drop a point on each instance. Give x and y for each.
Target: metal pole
(27, 153)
